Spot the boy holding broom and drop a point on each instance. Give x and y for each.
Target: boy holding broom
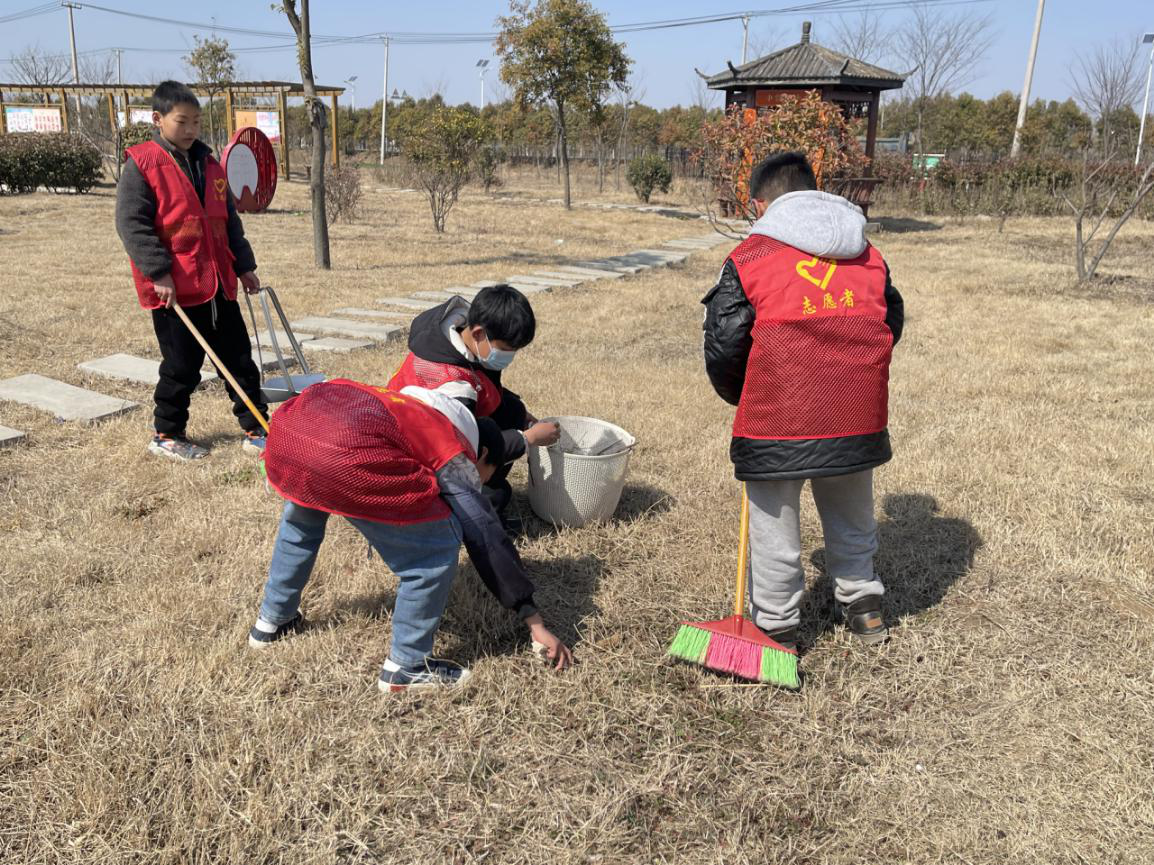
(186, 244)
(798, 334)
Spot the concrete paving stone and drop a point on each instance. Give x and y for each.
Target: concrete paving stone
(390, 314)
(65, 401)
(614, 264)
(282, 338)
(126, 367)
(566, 279)
(586, 272)
(484, 283)
(530, 287)
(439, 296)
(349, 327)
(691, 245)
(265, 360)
(540, 280)
(9, 436)
(464, 291)
(335, 344)
(406, 302)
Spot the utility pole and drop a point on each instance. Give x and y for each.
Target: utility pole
(1025, 100)
(119, 66)
(745, 38)
(385, 101)
(1148, 37)
(72, 41)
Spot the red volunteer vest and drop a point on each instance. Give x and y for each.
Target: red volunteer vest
(195, 235)
(430, 374)
(363, 452)
(819, 365)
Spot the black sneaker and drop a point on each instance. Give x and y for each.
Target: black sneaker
(864, 619)
(264, 635)
(433, 673)
(786, 637)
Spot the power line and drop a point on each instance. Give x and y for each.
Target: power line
(31, 12)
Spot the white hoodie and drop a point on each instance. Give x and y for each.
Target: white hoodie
(815, 222)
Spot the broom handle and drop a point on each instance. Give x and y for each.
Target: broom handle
(742, 555)
(220, 366)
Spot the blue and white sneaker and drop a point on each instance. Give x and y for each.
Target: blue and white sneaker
(264, 634)
(433, 673)
(253, 443)
(176, 448)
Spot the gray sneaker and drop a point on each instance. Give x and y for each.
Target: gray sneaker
(864, 619)
(434, 673)
(176, 448)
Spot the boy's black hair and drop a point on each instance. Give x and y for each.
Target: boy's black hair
(781, 173)
(169, 94)
(505, 314)
(490, 439)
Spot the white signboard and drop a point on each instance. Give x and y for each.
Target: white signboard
(18, 118)
(135, 115)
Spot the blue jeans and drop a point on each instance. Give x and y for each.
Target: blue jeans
(423, 556)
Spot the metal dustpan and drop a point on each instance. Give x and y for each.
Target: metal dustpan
(284, 386)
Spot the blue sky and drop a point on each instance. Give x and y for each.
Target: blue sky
(664, 59)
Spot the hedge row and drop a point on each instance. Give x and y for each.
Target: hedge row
(59, 161)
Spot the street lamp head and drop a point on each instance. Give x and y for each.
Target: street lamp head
(351, 79)
(1148, 38)
(481, 64)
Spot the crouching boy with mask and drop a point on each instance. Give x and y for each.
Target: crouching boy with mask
(405, 468)
(460, 349)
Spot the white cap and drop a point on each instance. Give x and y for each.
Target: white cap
(456, 412)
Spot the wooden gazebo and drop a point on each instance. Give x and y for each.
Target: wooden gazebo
(851, 84)
(124, 98)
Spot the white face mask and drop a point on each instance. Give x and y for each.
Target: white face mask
(497, 359)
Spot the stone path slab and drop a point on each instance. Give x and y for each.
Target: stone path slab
(63, 400)
(9, 436)
(406, 302)
(612, 265)
(126, 367)
(391, 315)
(463, 291)
(335, 344)
(282, 338)
(348, 327)
(266, 360)
(691, 245)
(539, 280)
(582, 274)
(432, 295)
(530, 288)
(566, 279)
(484, 283)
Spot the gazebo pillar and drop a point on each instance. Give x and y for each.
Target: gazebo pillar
(872, 132)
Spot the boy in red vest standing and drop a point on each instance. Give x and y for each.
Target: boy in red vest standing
(186, 245)
(798, 335)
(405, 468)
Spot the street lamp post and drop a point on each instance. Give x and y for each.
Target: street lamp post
(483, 66)
(352, 82)
(1146, 39)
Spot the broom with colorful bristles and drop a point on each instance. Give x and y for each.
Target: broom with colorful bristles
(736, 645)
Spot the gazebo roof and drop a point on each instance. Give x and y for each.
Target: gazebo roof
(804, 65)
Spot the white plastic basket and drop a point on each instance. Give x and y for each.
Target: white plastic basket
(579, 480)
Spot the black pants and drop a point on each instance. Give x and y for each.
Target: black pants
(183, 358)
(511, 416)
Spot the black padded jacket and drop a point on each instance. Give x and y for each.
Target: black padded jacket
(729, 318)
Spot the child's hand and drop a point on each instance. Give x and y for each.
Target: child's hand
(251, 282)
(165, 290)
(543, 434)
(552, 649)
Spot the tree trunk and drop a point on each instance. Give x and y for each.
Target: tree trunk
(563, 147)
(316, 111)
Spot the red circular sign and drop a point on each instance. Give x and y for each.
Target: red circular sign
(250, 165)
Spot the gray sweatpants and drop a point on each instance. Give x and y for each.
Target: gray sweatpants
(846, 506)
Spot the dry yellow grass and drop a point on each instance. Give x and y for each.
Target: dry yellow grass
(1007, 722)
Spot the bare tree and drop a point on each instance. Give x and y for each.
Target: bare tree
(701, 96)
(1105, 80)
(944, 50)
(764, 41)
(317, 121)
(864, 37)
(35, 66)
(1098, 193)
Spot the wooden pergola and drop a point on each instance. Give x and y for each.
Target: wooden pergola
(278, 90)
(852, 85)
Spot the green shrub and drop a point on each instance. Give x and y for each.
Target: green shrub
(647, 174)
(58, 161)
(487, 162)
(136, 133)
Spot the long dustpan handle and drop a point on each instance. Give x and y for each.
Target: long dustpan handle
(742, 554)
(220, 366)
(272, 338)
(300, 355)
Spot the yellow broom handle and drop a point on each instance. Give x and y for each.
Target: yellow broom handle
(742, 554)
(216, 360)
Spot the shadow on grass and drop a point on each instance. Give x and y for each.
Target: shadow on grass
(920, 555)
(906, 225)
